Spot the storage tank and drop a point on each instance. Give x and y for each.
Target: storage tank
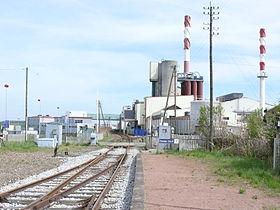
(188, 88)
(194, 89)
(183, 84)
(199, 90)
(165, 71)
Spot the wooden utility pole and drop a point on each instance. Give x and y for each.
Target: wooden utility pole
(175, 90)
(211, 12)
(26, 103)
(175, 94)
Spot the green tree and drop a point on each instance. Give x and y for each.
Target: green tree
(255, 125)
(204, 119)
(271, 119)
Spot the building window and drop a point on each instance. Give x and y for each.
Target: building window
(225, 118)
(78, 121)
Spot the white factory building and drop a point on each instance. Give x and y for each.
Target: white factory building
(72, 122)
(149, 113)
(234, 108)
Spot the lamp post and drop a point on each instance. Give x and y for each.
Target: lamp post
(26, 97)
(40, 107)
(39, 116)
(6, 86)
(57, 108)
(26, 103)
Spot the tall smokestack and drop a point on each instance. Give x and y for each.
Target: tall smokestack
(187, 44)
(262, 74)
(186, 85)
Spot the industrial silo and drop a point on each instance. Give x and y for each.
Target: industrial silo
(166, 69)
(154, 78)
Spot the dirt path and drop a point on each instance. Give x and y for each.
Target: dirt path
(173, 183)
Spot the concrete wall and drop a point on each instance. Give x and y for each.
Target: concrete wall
(84, 138)
(21, 137)
(47, 142)
(190, 142)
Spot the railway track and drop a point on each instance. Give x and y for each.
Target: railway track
(82, 187)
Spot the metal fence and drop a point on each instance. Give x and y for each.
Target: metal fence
(181, 125)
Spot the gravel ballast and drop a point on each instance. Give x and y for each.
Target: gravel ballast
(15, 166)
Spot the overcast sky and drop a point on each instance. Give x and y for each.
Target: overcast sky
(75, 48)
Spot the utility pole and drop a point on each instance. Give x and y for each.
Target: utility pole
(26, 104)
(6, 86)
(175, 93)
(175, 90)
(211, 11)
(97, 115)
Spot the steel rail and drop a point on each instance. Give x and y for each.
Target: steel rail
(4, 195)
(67, 181)
(47, 202)
(94, 203)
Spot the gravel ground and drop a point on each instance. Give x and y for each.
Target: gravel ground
(68, 162)
(18, 165)
(176, 183)
(15, 166)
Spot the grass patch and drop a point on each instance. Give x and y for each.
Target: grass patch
(28, 146)
(256, 172)
(106, 138)
(73, 147)
(242, 190)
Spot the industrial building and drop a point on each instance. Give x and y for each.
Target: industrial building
(235, 107)
(76, 122)
(161, 77)
(179, 105)
(158, 110)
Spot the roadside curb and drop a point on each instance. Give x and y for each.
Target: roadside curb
(138, 189)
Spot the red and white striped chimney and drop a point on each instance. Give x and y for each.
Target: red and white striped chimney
(187, 44)
(262, 75)
(262, 49)
(186, 85)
